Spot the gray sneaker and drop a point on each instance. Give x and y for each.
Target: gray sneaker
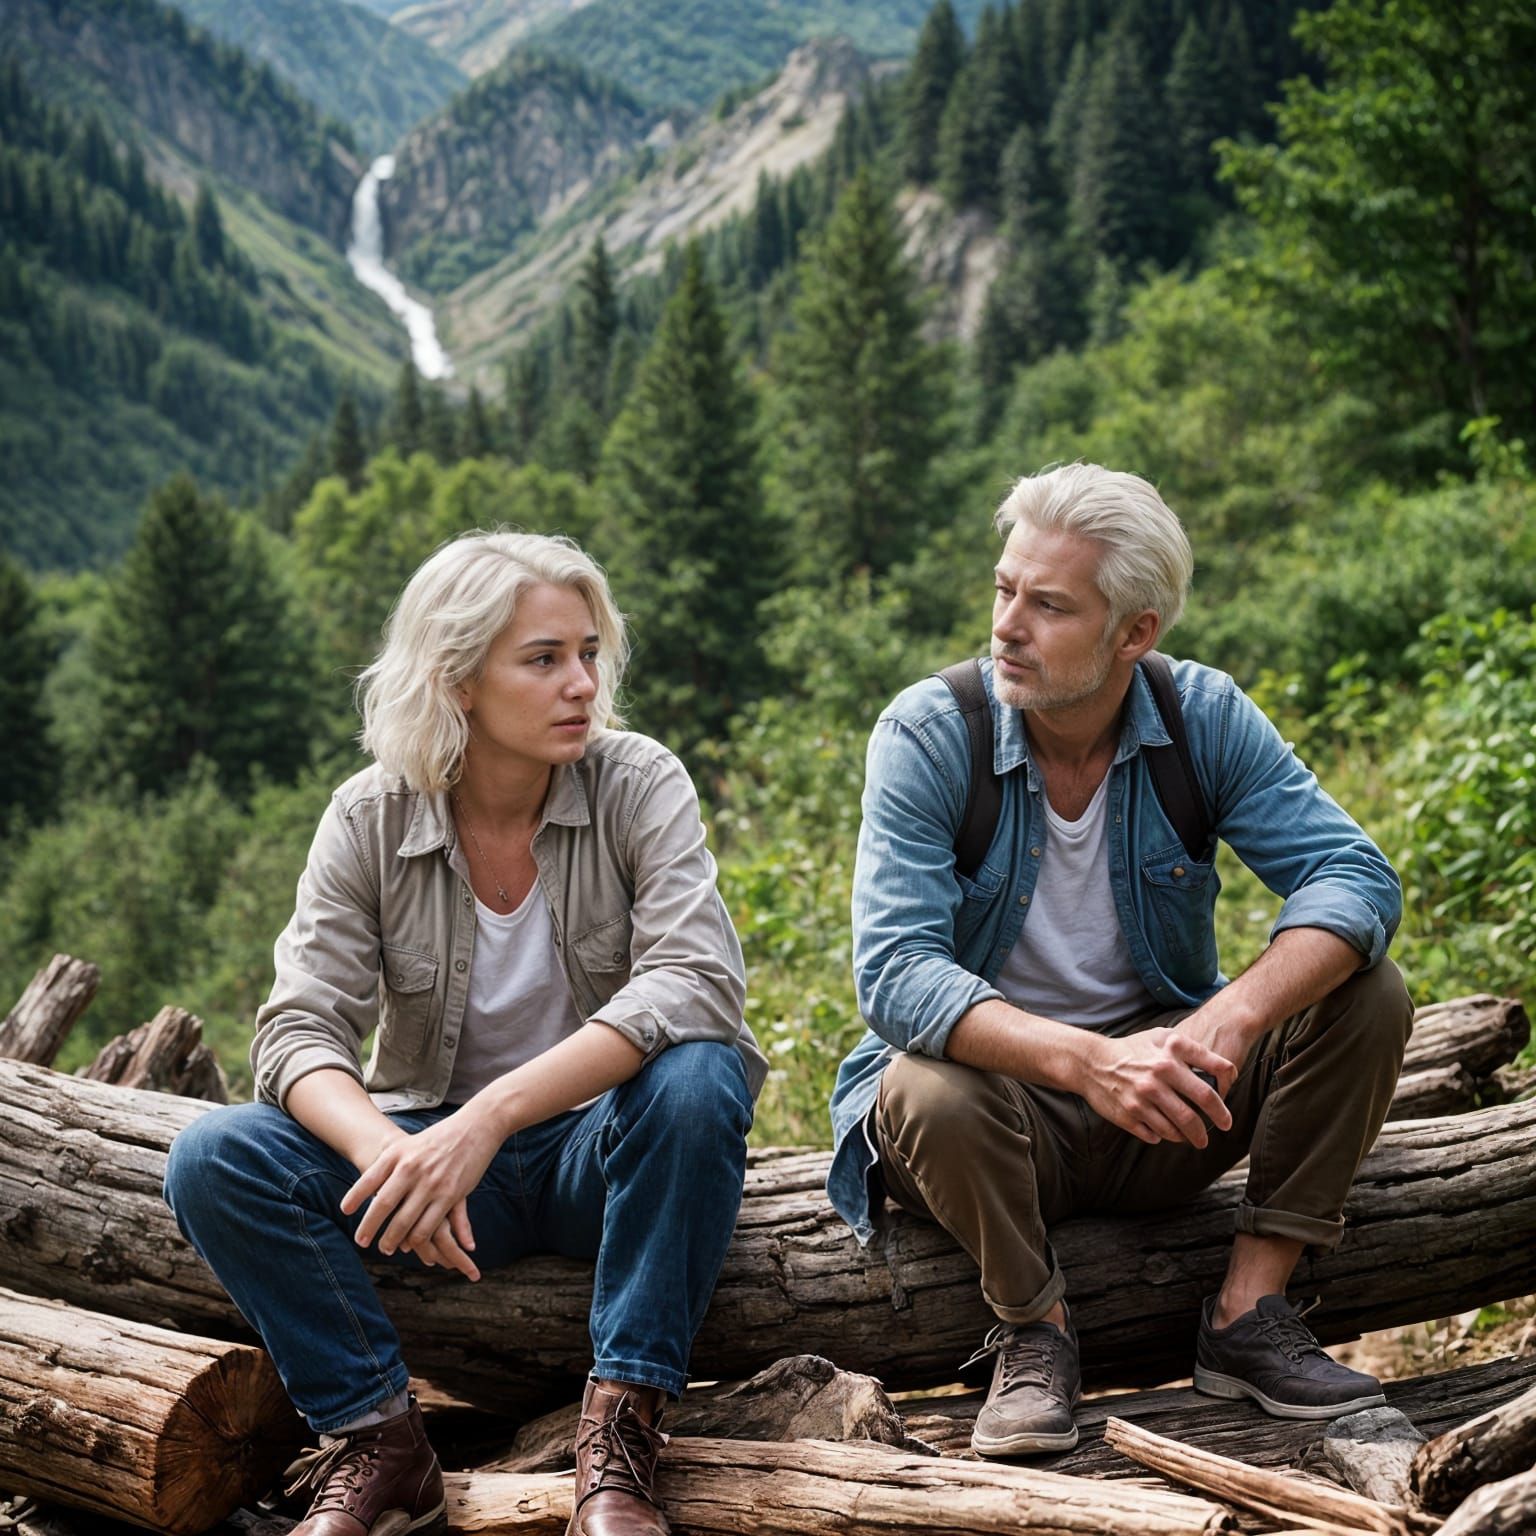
(1270, 1355)
(1036, 1383)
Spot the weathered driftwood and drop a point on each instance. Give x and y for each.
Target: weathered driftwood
(1371, 1452)
(1278, 1496)
(1487, 1449)
(1498, 1509)
(813, 1488)
(1442, 1219)
(801, 1397)
(134, 1422)
(46, 1012)
(167, 1055)
(1433, 1404)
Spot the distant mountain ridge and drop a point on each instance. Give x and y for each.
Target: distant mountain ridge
(378, 79)
(476, 34)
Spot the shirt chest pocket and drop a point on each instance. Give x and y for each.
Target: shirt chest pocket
(977, 893)
(405, 1002)
(603, 955)
(1182, 892)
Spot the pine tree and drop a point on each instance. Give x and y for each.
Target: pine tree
(439, 434)
(406, 430)
(28, 776)
(208, 227)
(859, 395)
(1194, 94)
(1239, 80)
(935, 64)
(1121, 200)
(985, 106)
(680, 470)
(474, 428)
(766, 251)
(348, 455)
(199, 652)
(596, 320)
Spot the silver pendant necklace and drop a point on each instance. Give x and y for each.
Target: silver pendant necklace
(469, 826)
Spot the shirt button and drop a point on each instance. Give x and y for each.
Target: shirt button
(1034, 853)
(1023, 901)
(1117, 821)
(459, 965)
(450, 1039)
(468, 898)
(1178, 871)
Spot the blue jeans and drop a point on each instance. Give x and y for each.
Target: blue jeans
(647, 1181)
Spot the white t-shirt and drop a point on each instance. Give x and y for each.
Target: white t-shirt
(1070, 962)
(519, 1000)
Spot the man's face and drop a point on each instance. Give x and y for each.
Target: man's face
(1048, 618)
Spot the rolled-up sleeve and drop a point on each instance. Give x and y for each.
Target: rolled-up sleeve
(324, 1000)
(1298, 840)
(911, 989)
(687, 976)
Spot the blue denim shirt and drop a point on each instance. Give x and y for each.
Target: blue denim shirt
(928, 943)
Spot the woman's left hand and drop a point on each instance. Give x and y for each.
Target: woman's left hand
(418, 1185)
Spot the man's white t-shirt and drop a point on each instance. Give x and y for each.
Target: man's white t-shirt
(1071, 962)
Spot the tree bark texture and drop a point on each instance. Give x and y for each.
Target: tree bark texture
(1487, 1449)
(167, 1055)
(137, 1423)
(1442, 1219)
(813, 1488)
(46, 1012)
(1454, 1055)
(1499, 1509)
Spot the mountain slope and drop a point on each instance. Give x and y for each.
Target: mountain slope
(476, 34)
(379, 80)
(506, 156)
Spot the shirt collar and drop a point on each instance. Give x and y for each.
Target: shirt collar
(431, 826)
(1141, 727)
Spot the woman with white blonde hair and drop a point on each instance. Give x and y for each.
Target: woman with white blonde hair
(517, 902)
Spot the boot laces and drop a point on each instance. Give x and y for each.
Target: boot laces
(1289, 1333)
(334, 1471)
(615, 1443)
(1028, 1355)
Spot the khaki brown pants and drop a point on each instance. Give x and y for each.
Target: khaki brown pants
(998, 1162)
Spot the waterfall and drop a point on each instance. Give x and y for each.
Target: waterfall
(365, 254)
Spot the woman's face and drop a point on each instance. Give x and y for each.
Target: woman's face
(533, 697)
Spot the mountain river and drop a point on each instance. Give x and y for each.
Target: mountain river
(365, 253)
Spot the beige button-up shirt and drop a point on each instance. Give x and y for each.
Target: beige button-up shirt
(383, 934)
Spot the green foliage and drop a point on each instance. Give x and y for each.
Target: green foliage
(1398, 202)
(858, 407)
(935, 63)
(688, 526)
(28, 774)
(198, 653)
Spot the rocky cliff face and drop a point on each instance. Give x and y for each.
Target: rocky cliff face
(205, 101)
(478, 34)
(515, 151)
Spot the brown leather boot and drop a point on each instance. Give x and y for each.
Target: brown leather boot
(617, 1443)
(379, 1481)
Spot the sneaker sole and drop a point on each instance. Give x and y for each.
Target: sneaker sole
(1025, 1444)
(1214, 1384)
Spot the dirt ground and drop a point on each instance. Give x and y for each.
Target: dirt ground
(1508, 1328)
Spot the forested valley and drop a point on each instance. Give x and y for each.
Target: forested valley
(1278, 259)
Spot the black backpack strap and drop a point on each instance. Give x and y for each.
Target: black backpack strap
(1173, 770)
(984, 796)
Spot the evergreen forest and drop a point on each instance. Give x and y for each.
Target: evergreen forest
(1275, 257)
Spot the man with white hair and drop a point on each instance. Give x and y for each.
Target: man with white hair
(1034, 951)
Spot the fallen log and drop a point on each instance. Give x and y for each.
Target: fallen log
(1455, 1054)
(46, 1012)
(134, 1422)
(1442, 1219)
(1499, 1509)
(812, 1488)
(1275, 1495)
(1432, 1404)
(801, 1397)
(1487, 1449)
(167, 1055)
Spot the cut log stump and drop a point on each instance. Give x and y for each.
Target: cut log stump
(46, 1012)
(167, 1055)
(1441, 1219)
(134, 1422)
